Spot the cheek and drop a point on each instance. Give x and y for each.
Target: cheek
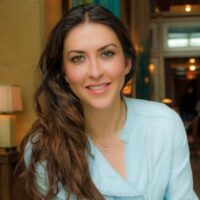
(73, 75)
(117, 70)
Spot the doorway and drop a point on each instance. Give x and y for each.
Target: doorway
(181, 74)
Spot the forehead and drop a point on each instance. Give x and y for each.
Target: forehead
(90, 34)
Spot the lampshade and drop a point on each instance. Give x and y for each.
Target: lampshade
(10, 98)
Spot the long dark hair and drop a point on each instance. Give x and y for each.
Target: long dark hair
(58, 137)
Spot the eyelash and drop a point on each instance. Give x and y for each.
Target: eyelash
(77, 59)
(108, 54)
(80, 58)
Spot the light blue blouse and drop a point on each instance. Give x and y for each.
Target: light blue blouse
(156, 156)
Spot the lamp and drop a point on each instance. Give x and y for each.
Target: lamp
(10, 102)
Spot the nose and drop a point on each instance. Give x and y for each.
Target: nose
(95, 69)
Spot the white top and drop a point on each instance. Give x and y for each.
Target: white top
(156, 158)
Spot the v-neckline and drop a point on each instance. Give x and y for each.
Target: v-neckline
(110, 166)
(123, 137)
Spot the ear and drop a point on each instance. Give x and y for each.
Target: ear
(128, 65)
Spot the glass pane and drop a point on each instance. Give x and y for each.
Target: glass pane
(195, 42)
(195, 39)
(172, 43)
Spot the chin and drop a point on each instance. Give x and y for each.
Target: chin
(100, 103)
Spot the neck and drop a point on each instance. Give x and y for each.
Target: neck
(105, 123)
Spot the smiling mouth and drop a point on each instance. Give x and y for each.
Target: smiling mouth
(98, 89)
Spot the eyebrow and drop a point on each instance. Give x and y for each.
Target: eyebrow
(100, 49)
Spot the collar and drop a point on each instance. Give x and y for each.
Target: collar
(125, 132)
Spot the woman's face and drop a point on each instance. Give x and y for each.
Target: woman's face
(94, 65)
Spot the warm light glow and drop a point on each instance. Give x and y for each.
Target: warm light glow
(151, 68)
(128, 89)
(192, 60)
(190, 75)
(192, 67)
(7, 131)
(188, 8)
(10, 98)
(167, 100)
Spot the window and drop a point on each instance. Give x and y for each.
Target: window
(182, 36)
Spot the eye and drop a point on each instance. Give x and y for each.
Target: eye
(77, 59)
(107, 54)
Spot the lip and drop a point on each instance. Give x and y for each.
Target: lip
(99, 88)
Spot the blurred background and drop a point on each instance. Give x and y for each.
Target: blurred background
(165, 34)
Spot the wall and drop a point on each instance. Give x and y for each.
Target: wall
(53, 12)
(21, 39)
(24, 27)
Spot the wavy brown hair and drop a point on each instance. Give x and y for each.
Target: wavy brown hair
(58, 137)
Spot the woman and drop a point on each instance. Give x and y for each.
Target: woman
(89, 141)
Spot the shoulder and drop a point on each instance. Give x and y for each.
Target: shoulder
(29, 148)
(155, 121)
(150, 109)
(39, 169)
